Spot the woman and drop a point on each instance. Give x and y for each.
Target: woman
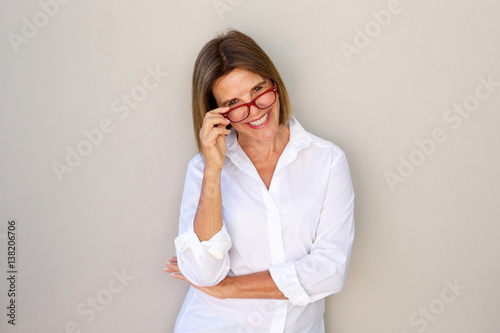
(266, 224)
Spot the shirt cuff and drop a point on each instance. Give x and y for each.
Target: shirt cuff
(286, 279)
(217, 246)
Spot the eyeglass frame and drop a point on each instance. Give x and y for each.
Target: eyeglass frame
(274, 89)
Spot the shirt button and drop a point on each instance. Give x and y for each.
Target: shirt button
(276, 250)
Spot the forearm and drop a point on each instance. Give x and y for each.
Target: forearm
(255, 285)
(208, 218)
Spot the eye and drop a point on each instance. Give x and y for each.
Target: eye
(258, 88)
(232, 102)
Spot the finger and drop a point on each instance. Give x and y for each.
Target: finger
(216, 114)
(219, 109)
(211, 124)
(205, 130)
(173, 259)
(213, 118)
(172, 268)
(209, 141)
(179, 276)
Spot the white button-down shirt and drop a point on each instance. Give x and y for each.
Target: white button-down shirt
(301, 230)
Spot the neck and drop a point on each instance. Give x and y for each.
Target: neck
(265, 150)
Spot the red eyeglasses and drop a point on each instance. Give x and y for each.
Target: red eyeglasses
(241, 112)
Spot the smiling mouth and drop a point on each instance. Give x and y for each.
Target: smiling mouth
(260, 121)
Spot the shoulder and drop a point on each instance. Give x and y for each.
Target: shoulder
(333, 159)
(317, 145)
(328, 147)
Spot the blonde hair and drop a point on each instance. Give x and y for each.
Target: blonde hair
(218, 58)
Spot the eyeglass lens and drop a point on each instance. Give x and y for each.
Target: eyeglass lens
(262, 102)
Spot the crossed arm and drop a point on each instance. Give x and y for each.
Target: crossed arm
(320, 273)
(255, 285)
(207, 222)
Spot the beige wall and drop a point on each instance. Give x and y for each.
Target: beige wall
(92, 237)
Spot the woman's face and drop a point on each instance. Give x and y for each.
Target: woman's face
(242, 86)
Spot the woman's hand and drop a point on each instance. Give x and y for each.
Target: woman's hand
(213, 138)
(220, 290)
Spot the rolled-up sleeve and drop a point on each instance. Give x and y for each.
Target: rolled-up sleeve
(324, 270)
(203, 263)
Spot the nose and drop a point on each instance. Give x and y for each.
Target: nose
(254, 111)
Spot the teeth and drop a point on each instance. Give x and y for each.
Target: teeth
(260, 121)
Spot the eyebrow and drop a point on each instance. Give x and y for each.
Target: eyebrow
(224, 103)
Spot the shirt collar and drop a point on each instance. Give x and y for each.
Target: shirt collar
(299, 138)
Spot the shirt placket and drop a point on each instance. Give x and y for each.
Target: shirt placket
(277, 255)
(273, 220)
